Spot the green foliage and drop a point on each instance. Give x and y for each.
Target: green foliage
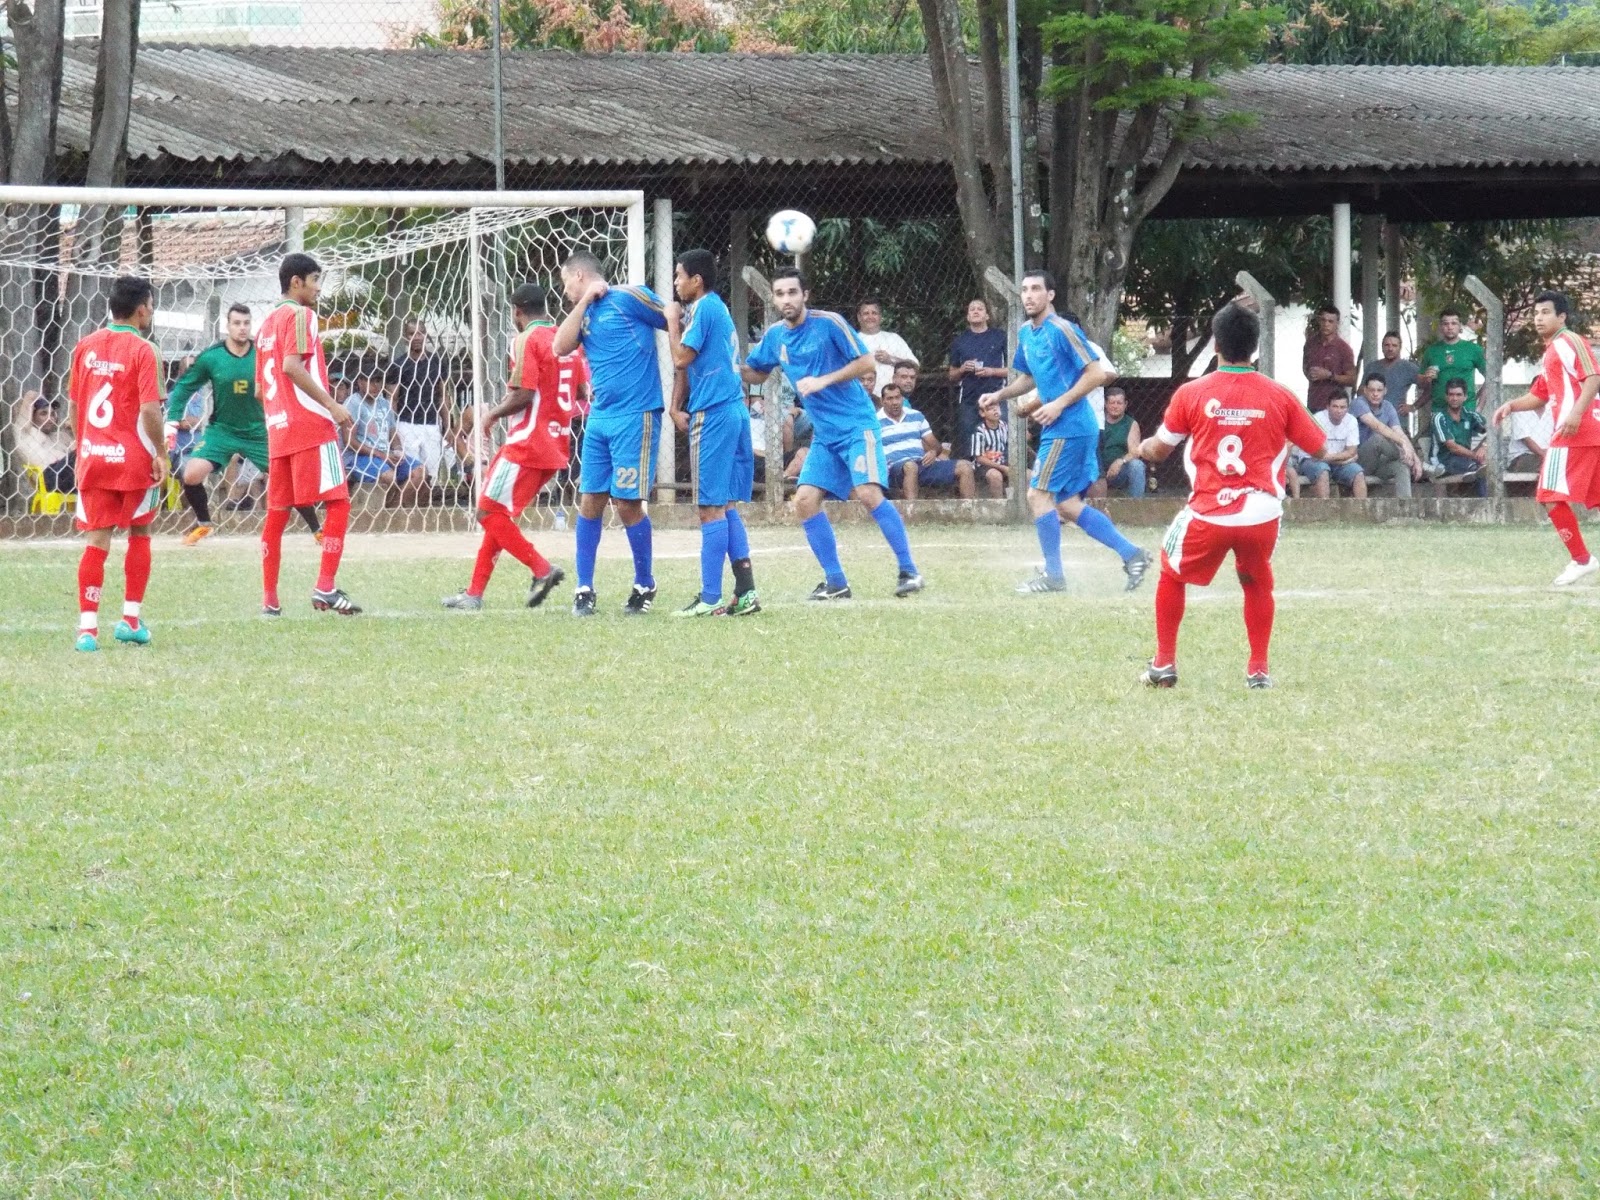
(1386, 33)
(1544, 32)
(604, 26)
(834, 26)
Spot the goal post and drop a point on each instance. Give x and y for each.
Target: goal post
(393, 262)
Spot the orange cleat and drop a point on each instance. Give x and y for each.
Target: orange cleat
(197, 535)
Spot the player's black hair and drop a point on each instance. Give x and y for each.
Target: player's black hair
(531, 300)
(1556, 300)
(792, 273)
(238, 308)
(296, 266)
(702, 263)
(1452, 311)
(128, 292)
(1041, 273)
(583, 260)
(1451, 385)
(1237, 331)
(1371, 375)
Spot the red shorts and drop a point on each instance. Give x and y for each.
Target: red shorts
(509, 487)
(106, 508)
(1570, 473)
(1193, 549)
(306, 477)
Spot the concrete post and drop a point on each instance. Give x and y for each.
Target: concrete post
(666, 456)
(1267, 306)
(1341, 266)
(772, 412)
(1392, 270)
(1494, 361)
(1371, 324)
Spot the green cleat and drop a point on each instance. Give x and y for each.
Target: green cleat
(133, 637)
(745, 605)
(87, 643)
(699, 608)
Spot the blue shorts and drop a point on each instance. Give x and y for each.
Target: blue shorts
(1066, 466)
(1344, 474)
(619, 455)
(941, 472)
(839, 466)
(722, 463)
(368, 468)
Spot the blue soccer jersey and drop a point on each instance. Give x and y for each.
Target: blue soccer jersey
(822, 343)
(714, 373)
(619, 339)
(1056, 353)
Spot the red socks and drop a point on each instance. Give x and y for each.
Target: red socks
(91, 578)
(1171, 596)
(272, 554)
(1259, 609)
(509, 538)
(136, 570)
(484, 567)
(333, 531)
(1566, 523)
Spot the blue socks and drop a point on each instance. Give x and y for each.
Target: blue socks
(1098, 526)
(819, 534)
(1049, 527)
(639, 543)
(738, 539)
(714, 542)
(588, 546)
(894, 532)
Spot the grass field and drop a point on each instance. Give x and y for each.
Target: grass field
(891, 899)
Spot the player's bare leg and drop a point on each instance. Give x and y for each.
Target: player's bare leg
(591, 511)
(195, 473)
(1583, 564)
(1135, 562)
(91, 579)
(894, 532)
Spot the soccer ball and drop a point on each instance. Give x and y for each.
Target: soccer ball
(790, 232)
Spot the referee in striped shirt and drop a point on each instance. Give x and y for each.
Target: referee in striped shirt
(991, 443)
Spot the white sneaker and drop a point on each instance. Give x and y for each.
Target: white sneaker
(1576, 571)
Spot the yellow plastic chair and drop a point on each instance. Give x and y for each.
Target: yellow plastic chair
(45, 502)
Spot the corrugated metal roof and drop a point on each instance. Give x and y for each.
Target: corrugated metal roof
(209, 104)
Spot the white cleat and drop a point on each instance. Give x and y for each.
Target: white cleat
(1576, 572)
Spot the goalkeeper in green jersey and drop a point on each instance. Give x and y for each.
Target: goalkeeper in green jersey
(236, 426)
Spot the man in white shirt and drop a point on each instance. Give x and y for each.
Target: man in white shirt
(1528, 438)
(887, 348)
(1340, 465)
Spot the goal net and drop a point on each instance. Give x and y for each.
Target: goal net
(414, 319)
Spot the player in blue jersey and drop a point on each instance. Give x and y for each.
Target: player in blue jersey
(708, 405)
(826, 362)
(1055, 358)
(616, 327)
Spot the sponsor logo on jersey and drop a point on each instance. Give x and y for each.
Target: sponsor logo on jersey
(277, 420)
(112, 452)
(1232, 416)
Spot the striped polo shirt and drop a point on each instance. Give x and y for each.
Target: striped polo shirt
(902, 439)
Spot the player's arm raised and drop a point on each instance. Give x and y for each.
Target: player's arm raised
(569, 334)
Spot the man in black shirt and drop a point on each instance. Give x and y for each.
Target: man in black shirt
(421, 407)
(977, 356)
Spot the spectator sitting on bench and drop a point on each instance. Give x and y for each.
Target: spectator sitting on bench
(913, 452)
(1459, 434)
(1120, 467)
(1528, 438)
(1340, 465)
(375, 453)
(990, 449)
(1386, 453)
(43, 443)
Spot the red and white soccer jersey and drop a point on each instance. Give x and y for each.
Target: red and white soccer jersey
(295, 421)
(541, 434)
(115, 373)
(1571, 468)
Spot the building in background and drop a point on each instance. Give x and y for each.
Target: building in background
(369, 23)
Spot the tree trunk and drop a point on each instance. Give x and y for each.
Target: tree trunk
(36, 33)
(997, 137)
(1030, 54)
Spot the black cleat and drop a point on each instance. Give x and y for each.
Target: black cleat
(1159, 677)
(335, 602)
(272, 610)
(1041, 584)
(823, 592)
(1258, 680)
(1135, 568)
(639, 601)
(910, 584)
(540, 588)
(583, 602)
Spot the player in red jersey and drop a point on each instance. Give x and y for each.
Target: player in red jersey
(304, 426)
(1570, 379)
(117, 401)
(540, 391)
(1239, 425)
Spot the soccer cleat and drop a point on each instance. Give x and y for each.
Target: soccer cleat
(1577, 571)
(318, 536)
(823, 592)
(639, 601)
(539, 589)
(463, 602)
(87, 643)
(197, 535)
(1135, 568)
(745, 605)
(272, 610)
(133, 637)
(1159, 677)
(909, 584)
(1258, 679)
(699, 608)
(583, 602)
(1040, 584)
(335, 602)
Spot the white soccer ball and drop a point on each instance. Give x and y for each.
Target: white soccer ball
(790, 232)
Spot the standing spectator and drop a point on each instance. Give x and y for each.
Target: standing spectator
(1385, 452)
(976, 356)
(1458, 435)
(990, 448)
(1338, 463)
(421, 407)
(1329, 363)
(1452, 357)
(41, 442)
(888, 349)
(1399, 374)
(1120, 464)
(913, 452)
(376, 452)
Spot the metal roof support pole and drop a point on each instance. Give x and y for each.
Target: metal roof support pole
(1494, 363)
(1017, 426)
(294, 229)
(1267, 306)
(667, 455)
(771, 411)
(1341, 266)
(1392, 270)
(499, 98)
(1371, 325)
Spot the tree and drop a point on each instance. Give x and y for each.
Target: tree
(562, 25)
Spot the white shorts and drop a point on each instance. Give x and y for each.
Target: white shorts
(424, 442)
